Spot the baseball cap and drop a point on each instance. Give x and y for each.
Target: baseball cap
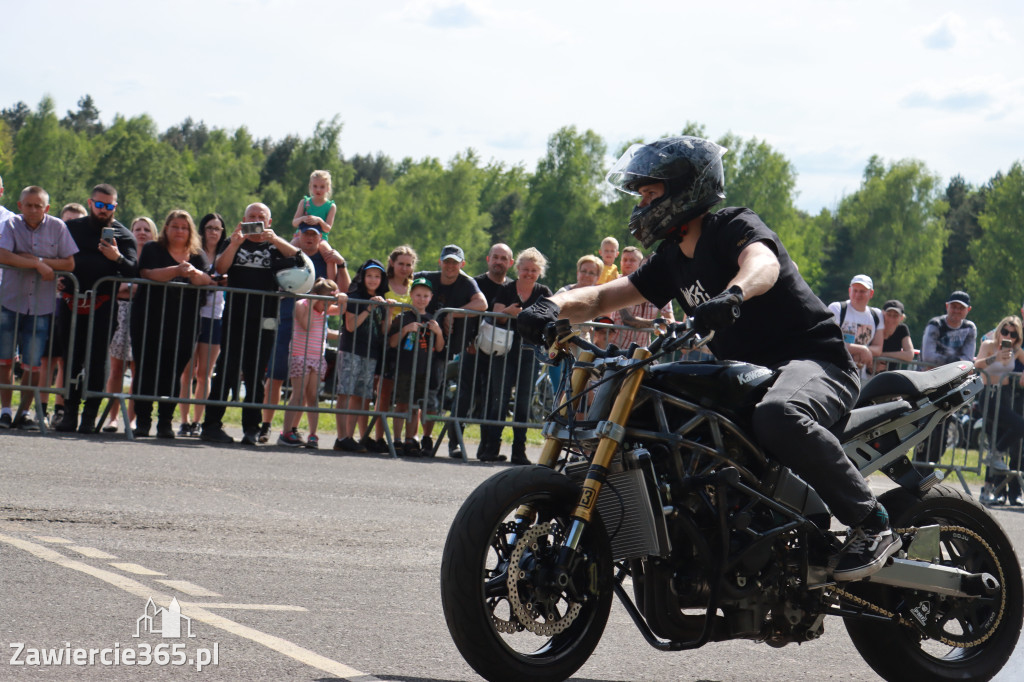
(307, 228)
(604, 319)
(421, 282)
(452, 252)
(893, 304)
(864, 280)
(960, 297)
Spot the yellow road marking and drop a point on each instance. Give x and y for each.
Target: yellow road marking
(301, 654)
(51, 539)
(189, 588)
(135, 568)
(91, 552)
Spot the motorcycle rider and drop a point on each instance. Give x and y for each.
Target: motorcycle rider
(718, 263)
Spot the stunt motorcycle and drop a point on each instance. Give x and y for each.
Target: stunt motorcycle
(650, 487)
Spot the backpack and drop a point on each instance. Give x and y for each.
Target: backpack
(842, 314)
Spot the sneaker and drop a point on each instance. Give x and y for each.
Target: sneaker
(313, 442)
(185, 430)
(380, 445)
(164, 429)
(368, 444)
(68, 422)
(865, 552)
(141, 429)
(87, 425)
(25, 422)
(410, 448)
(292, 439)
(349, 445)
(263, 435)
(454, 451)
(196, 429)
(253, 437)
(215, 434)
(427, 447)
(58, 415)
(6, 421)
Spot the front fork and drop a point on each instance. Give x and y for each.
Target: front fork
(611, 431)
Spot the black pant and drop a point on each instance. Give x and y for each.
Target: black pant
(519, 370)
(162, 344)
(792, 421)
(248, 342)
(75, 358)
(1006, 436)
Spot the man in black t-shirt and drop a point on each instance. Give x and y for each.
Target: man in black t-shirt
(96, 258)
(714, 263)
(452, 289)
(250, 322)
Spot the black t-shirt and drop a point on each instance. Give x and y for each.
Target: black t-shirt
(254, 267)
(454, 295)
(90, 264)
(787, 322)
(366, 340)
(894, 343)
(509, 295)
(489, 288)
(418, 344)
(159, 303)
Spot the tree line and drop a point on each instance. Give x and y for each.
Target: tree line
(918, 240)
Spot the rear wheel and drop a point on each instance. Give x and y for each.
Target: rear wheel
(953, 638)
(510, 612)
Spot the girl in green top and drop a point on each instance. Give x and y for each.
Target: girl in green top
(317, 209)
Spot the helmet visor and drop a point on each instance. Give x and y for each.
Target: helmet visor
(668, 159)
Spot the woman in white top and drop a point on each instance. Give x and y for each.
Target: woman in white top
(996, 361)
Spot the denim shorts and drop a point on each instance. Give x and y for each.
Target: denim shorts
(210, 330)
(31, 333)
(355, 375)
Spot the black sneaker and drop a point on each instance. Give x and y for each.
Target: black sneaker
(164, 429)
(215, 434)
(349, 444)
(253, 437)
(427, 447)
(196, 429)
(185, 430)
(6, 421)
(68, 422)
(25, 422)
(263, 435)
(865, 552)
(454, 451)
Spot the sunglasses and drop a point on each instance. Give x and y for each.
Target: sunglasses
(1006, 331)
(101, 204)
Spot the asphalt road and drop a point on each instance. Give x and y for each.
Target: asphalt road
(286, 565)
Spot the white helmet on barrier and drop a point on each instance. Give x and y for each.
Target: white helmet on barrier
(298, 279)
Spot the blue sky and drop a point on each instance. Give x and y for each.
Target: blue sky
(827, 83)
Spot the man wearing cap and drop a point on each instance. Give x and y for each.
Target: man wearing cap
(452, 288)
(896, 342)
(950, 337)
(860, 323)
(947, 338)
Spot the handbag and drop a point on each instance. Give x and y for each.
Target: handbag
(493, 340)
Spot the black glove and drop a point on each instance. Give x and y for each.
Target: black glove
(533, 322)
(719, 312)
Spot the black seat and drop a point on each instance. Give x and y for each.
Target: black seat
(913, 385)
(862, 419)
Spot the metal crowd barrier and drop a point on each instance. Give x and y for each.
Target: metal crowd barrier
(51, 350)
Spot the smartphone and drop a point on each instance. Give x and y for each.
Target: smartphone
(253, 228)
(1006, 343)
(108, 235)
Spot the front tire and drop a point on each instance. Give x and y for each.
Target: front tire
(485, 612)
(980, 633)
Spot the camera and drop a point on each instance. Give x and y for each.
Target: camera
(252, 228)
(108, 234)
(1006, 343)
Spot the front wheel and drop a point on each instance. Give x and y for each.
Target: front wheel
(954, 638)
(513, 613)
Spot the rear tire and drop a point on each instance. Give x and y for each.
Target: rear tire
(898, 652)
(478, 606)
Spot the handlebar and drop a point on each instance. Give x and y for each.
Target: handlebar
(564, 336)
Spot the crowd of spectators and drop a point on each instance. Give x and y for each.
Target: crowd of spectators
(244, 342)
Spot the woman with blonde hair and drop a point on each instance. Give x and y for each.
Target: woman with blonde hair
(996, 361)
(520, 363)
(176, 256)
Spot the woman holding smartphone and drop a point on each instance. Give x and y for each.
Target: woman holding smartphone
(996, 361)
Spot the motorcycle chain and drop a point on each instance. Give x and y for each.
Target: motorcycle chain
(552, 623)
(910, 624)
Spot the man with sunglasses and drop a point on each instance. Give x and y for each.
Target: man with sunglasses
(97, 258)
(947, 338)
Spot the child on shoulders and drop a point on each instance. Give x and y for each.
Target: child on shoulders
(609, 252)
(317, 208)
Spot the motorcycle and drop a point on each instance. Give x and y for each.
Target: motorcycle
(650, 488)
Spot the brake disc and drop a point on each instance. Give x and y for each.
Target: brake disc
(537, 611)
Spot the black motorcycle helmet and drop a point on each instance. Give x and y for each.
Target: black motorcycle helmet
(690, 168)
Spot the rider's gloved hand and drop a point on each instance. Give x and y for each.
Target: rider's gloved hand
(533, 322)
(719, 312)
